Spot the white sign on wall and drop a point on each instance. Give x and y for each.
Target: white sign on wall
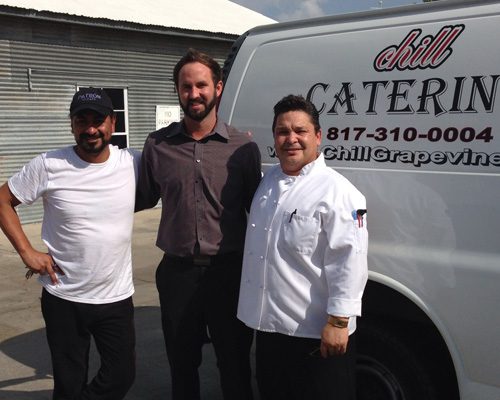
(165, 115)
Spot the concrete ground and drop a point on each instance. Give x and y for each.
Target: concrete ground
(25, 368)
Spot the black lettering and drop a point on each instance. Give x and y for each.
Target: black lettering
(397, 94)
(434, 96)
(373, 94)
(455, 158)
(457, 94)
(271, 151)
(311, 92)
(344, 97)
(495, 159)
(329, 152)
(487, 99)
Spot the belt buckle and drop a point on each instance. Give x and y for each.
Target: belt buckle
(201, 261)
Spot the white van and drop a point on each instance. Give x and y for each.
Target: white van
(407, 98)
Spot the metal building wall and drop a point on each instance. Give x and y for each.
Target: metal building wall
(42, 63)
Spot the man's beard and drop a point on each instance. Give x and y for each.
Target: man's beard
(198, 116)
(90, 148)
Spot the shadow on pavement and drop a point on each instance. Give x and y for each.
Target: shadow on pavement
(153, 375)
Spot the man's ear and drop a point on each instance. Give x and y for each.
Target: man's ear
(218, 88)
(319, 134)
(113, 123)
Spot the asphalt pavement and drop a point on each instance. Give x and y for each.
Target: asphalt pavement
(25, 368)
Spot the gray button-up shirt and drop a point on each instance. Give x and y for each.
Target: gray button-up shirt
(205, 186)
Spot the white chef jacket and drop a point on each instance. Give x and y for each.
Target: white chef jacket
(305, 252)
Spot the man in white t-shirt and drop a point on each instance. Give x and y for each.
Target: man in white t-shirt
(88, 193)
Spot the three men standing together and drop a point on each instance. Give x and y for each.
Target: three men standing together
(304, 262)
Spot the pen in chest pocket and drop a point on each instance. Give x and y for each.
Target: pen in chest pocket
(358, 215)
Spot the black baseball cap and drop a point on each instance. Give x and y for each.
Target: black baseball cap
(91, 99)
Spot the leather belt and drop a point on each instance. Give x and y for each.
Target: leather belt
(205, 261)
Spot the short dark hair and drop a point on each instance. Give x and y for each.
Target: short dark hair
(194, 55)
(296, 103)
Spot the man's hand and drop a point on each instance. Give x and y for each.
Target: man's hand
(35, 261)
(41, 263)
(333, 341)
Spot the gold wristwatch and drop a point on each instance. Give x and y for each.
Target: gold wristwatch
(338, 322)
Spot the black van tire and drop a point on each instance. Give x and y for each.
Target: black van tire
(388, 368)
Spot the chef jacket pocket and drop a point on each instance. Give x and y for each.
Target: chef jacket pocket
(300, 232)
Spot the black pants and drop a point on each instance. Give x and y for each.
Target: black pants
(195, 299)
(70, 326)
(291, 368)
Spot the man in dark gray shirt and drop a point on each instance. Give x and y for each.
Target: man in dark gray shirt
(205, 173)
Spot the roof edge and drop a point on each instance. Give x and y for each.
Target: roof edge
(108, 23)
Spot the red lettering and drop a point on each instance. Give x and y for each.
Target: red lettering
(431, 52)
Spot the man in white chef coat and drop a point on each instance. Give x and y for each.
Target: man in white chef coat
(304, 267)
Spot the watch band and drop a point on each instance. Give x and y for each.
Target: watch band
(338, 322)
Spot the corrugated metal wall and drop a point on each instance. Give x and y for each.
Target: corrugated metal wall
(39, 74)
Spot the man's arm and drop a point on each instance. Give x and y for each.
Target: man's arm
(346, 269)
(36, 261)
(253, 173)
(148, 191)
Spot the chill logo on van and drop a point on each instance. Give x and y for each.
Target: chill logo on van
(412, 109)
(429, 52)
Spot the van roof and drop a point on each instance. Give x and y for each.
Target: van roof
(379, 13)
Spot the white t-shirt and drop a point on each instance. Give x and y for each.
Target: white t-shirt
(88, 220)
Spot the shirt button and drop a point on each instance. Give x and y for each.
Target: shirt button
(253, 225)
(198, 160)
(261, 257)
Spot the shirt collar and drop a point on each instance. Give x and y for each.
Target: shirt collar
(319, 162)
(306, 169)
(219, 129)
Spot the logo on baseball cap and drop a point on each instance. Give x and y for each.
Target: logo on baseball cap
(91, 99)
